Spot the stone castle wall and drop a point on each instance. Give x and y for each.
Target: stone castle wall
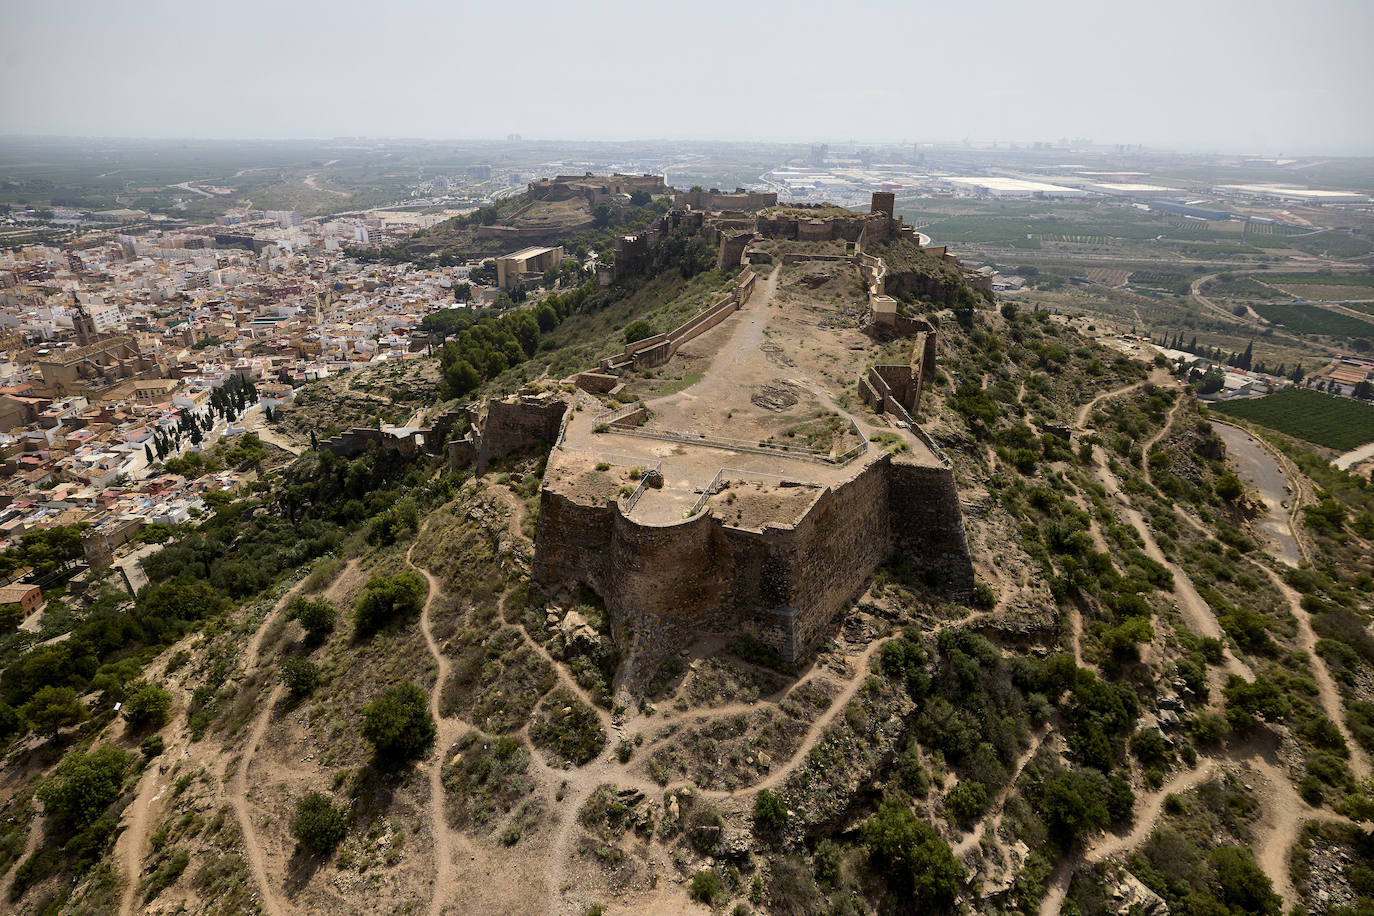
(717, 200)
(519, 423)
(786, 585)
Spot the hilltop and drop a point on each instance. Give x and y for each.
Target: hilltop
(789, 572)
(572, 210)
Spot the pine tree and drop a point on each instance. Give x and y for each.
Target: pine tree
(1248, 356)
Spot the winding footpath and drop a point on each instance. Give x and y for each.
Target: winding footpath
(448, 732)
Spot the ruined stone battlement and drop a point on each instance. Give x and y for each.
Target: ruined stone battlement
(784, 582)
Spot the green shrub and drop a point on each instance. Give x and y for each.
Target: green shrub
(398, 724)
(638, 330)
(53, 708)
(915, 861)
(574, 735)
(300, 675)
(385, 598)
(319, 825)
(151, 746)
(84, 785)
(148, 705)
(315, 617)
(707, 888)
(966, 801)
(770, 813)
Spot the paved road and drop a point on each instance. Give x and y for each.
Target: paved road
(1354, 456)
(1262, 473)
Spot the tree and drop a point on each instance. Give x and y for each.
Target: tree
(385, 598)
(319, 825)
(914, 856)
(84, 786)
(462, 292)
(1248, 700)
(10, 721)
(638, 330)
(1120, 798)
(52, 709)
(315, 617)
(11, 616)
(966, 800)
(601, 216)
(147, 705)
(300, 675)
(398, 724)
(1229, 487)
(1073, 804)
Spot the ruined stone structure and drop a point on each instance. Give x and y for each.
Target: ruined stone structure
(784, 573)
(740, 199)
(783, 584)
(404, 440)
(595, 188)
(518, 423)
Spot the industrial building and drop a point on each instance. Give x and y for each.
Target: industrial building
(1301, 195)
(1015, 187)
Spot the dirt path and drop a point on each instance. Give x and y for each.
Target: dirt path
(1354, 456)
(238, 788)
(31, 843)
(990, 822)
(1326, 685)
(448, 732)
(1086, 410)
(1154, 440)
(1196, 612)
(1283, 814)
(726, 366)
(131, 848)
(238, 799)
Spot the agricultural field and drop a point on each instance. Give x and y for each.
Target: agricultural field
(1332, 287)
(1323, 419)
(1312, 319)
(1243, 288)
(1177, 282)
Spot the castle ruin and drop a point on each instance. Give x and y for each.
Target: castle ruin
(689, 514)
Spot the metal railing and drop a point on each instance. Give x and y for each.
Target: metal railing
(620, 413)
(656, 470)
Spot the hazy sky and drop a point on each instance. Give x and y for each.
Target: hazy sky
(1251, 75)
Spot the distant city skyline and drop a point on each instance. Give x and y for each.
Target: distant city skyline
(1226, 77)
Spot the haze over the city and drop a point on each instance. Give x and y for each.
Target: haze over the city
(1260, 77)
